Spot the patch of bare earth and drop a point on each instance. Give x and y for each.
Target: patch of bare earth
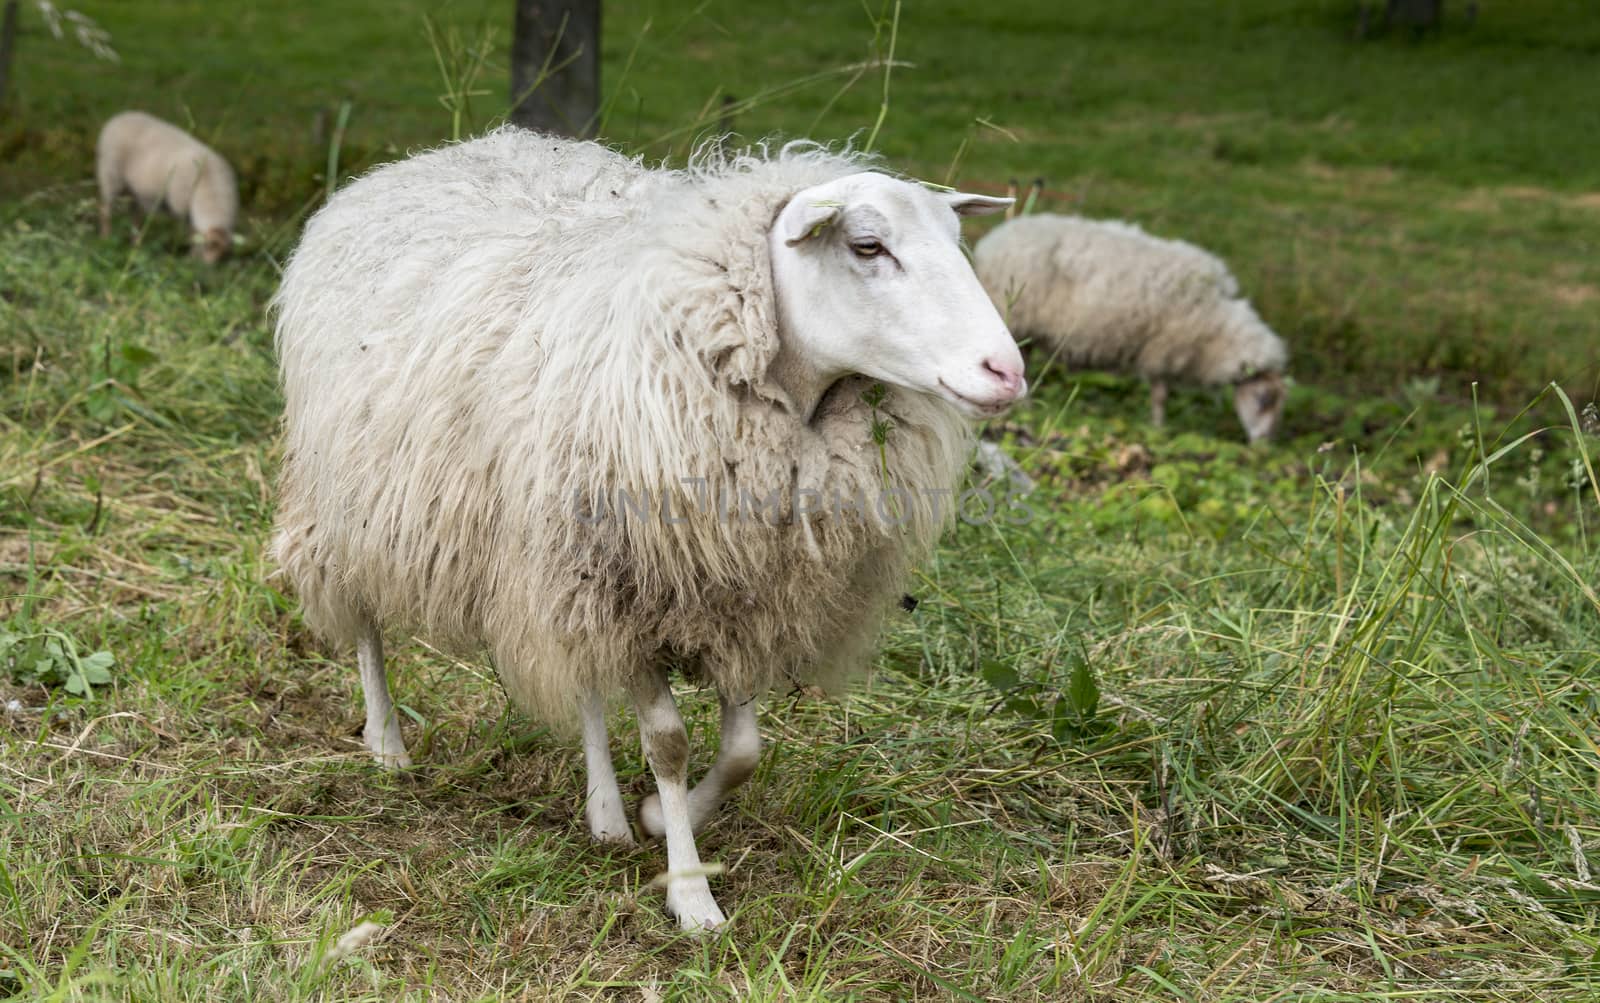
(1574, 295)
(1494, 199)
(1356, 175)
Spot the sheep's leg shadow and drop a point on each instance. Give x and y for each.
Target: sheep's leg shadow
(382, 732)
(666, 747)
(110, 184)
(608, 820)
(139, 217)
(737, 755)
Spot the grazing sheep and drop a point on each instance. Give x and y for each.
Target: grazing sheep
(1103, 294)
(602, 421)
(160, 164)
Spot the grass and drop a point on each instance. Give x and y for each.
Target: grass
(1315, 722)
(1395, 207)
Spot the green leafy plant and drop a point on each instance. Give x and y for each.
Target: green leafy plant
(31, 654)
(1070, 708)
(120, 374)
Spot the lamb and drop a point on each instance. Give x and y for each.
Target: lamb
(605, 421)
(160, 164)
(1105, 294)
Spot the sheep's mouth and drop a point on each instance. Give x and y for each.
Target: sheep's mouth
(973, 407)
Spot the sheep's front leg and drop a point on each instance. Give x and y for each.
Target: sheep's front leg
(382, 732)
(1158, 402)
(608, 821)
(737, 756)
(666, 746)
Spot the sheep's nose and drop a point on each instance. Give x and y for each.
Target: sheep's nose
(1008, 374)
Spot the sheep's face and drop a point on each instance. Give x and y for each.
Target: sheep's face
(212, 245)
(1259, 403)
(871, 279)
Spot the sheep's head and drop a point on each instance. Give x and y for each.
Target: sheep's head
(212, 245)
(871, 279)
(1259, 403)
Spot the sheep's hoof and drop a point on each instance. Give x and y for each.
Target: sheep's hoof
(651, 821)
(393, 761)
(608, 823)
(389, 751)
(689, 899)
(619, 840)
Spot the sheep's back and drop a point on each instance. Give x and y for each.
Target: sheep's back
(405, 261)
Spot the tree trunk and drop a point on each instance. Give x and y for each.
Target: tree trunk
(555, 66)
(8, 41)
(1415, 14)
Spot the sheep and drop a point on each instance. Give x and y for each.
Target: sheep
(160, 164)
(1105, 294)
(531, 385)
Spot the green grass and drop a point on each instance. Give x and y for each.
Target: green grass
(1394, 208)
(1314, 722)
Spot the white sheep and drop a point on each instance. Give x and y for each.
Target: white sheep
(1107, 295)
(602, 421)
(161, 165)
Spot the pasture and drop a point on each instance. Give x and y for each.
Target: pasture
(1315, 721)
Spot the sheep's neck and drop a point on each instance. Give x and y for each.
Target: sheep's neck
(803, 382)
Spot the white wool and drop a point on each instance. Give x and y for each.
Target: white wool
(1104, 294)
(480, 342)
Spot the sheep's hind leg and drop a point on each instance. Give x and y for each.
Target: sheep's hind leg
(608, 821)
(382, 732)
(1158, 402)
(666, 746)
(737, 755)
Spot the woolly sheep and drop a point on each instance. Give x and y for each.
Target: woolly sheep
(1105, 294)
(531, 385)
(160, 164)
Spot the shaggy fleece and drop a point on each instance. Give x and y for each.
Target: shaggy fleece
(487, 347)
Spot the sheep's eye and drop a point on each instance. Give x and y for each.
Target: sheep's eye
(866, 248)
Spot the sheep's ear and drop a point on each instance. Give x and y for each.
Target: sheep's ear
(803, 220)
(967, 204)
